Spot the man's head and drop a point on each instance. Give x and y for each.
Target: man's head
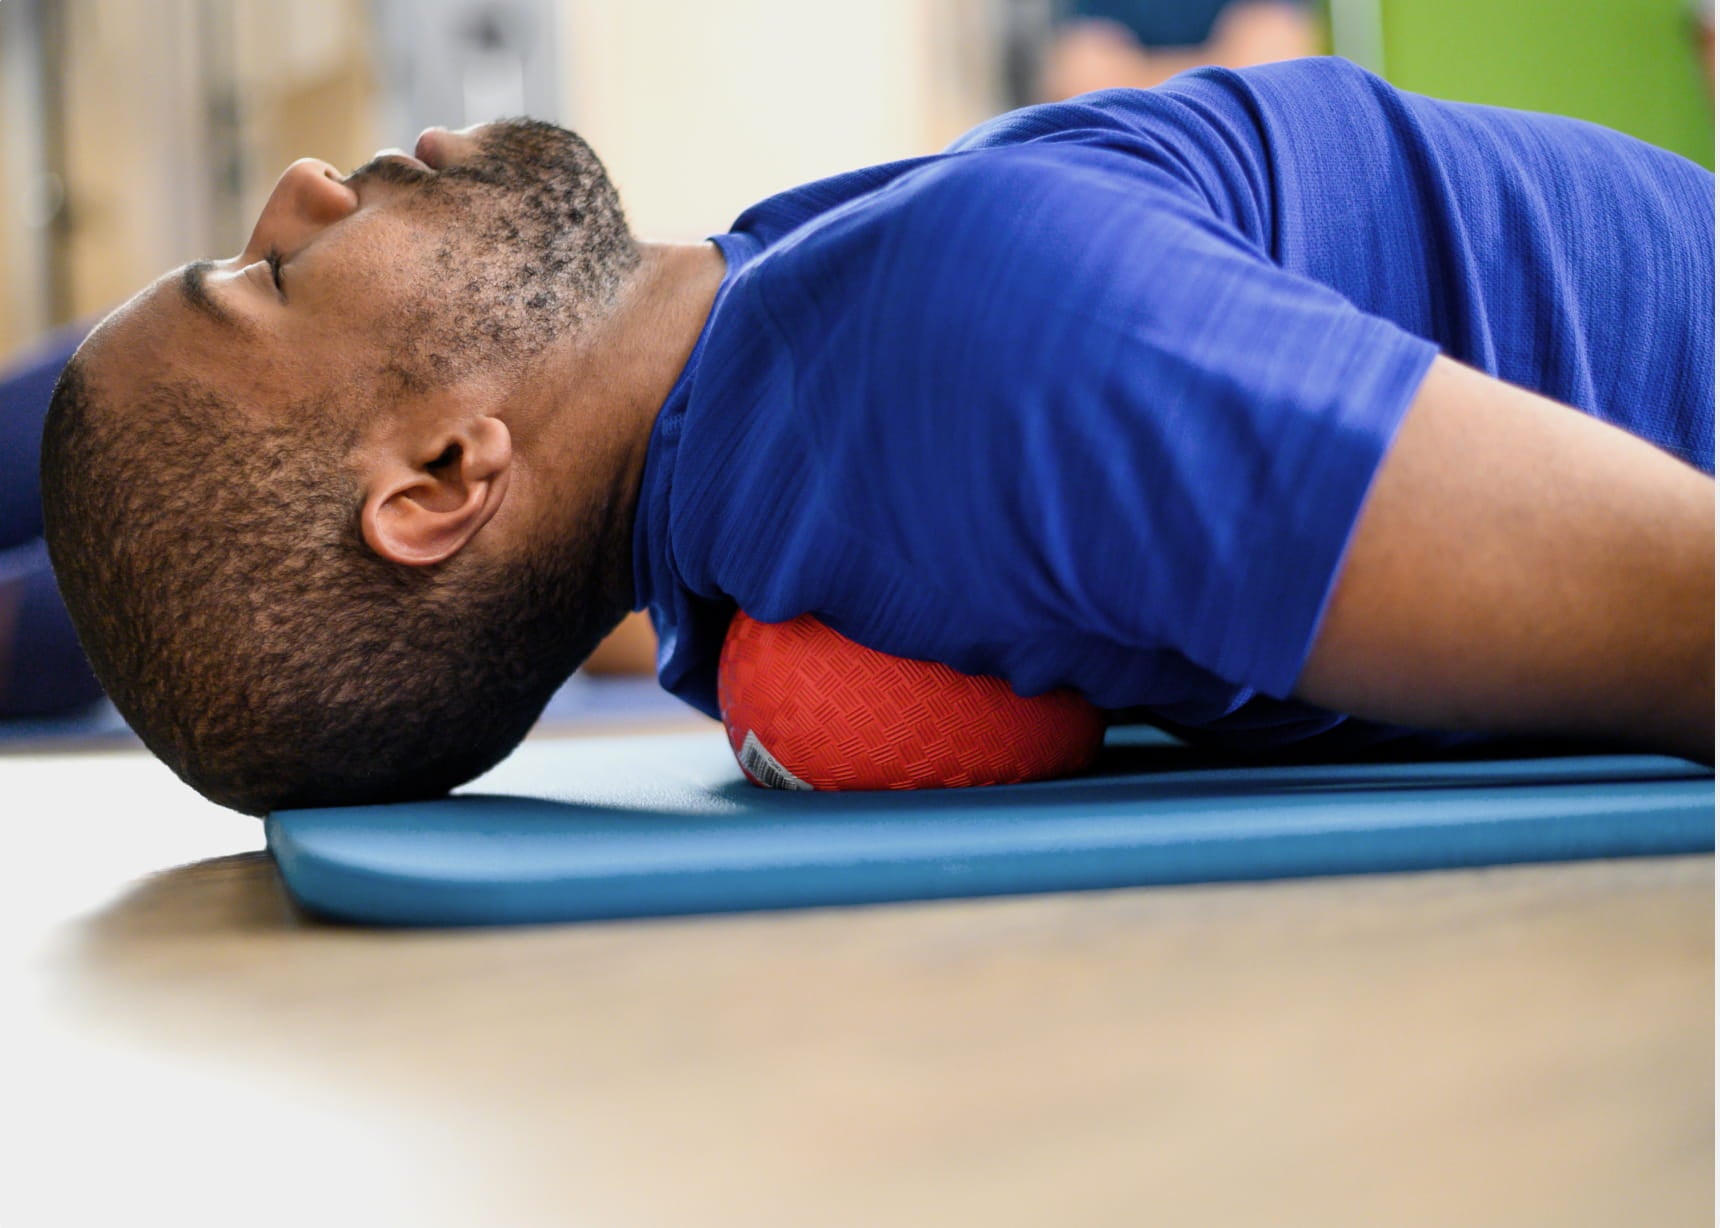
(289, 496)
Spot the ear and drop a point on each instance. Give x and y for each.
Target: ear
(425, 499)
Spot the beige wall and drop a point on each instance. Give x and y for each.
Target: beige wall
(310, 78)
(131, 114)
(698, 110)
(142, 190)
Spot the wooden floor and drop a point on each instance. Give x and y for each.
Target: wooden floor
(1519, 1046)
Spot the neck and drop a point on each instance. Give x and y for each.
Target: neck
(646, 341)
(582, 443)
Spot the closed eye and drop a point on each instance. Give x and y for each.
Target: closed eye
(273, 258)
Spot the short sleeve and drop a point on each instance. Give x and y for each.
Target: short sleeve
(1102, 412)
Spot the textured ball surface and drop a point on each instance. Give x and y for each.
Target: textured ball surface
(806, 708)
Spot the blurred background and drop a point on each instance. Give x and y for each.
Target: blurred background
(136, 137)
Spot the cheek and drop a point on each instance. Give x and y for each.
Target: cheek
(373, 266)
(414, 301)
(374, 310)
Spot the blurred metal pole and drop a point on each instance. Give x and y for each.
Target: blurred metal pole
(32, 150)
(223, 125)
(1025, 33)
(1359, 32)
(458, 62)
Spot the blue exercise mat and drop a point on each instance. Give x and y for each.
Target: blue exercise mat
(665, 824)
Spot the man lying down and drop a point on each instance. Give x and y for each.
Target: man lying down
(1277, 406)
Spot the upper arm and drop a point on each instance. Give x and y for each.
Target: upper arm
(1520, 567)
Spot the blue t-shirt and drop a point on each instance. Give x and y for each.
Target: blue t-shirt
(1094, 397)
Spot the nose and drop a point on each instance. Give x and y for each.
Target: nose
(308, 198)
(440, 149)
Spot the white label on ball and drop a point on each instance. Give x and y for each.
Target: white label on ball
(762, 766)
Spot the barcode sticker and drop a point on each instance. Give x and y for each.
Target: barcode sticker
(762, 766)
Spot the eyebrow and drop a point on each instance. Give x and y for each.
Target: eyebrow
(195, 289)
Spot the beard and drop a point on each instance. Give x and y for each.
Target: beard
(524, 241)
(527, 242)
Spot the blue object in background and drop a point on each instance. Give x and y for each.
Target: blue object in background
(1156, 23)
(47, 675)
(26, 384)
(664, 825)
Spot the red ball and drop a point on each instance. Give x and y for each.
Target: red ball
(807, 708)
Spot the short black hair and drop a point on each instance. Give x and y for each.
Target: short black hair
(214, 564)
(221, 588)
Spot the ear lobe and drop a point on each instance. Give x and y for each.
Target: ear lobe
(422, 509)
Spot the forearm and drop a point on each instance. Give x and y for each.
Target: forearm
(1521, 568)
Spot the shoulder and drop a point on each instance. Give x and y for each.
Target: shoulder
(1018, 212)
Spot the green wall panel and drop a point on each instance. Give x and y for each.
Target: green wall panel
(1628, 64)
